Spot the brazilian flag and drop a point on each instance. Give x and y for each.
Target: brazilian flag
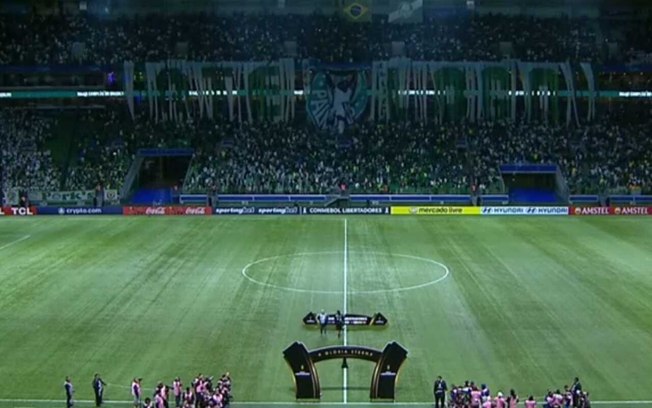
(357, 11)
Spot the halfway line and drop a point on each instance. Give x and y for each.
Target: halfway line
(344, 311)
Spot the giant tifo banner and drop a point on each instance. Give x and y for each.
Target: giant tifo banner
(166, 210)
(611, 211)
(337, 98)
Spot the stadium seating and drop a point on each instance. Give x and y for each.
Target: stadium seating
(261, 37)
(608, 155)
(280, 158)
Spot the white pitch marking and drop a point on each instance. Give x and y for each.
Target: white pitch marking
(345, 307)
(7, 245)
(339, 292)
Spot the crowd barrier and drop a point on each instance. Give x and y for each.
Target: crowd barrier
(376, 199)
(584, 199)
(400, 210)
(397, 199)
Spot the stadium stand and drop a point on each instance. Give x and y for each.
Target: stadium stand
(26, 161)
(453, 37)
(610, 154)
(281, 158)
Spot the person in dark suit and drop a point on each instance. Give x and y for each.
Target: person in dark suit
(98, 389)
(339, 323)
(24, 200)
(69, 391)
(439, 390)
(576, 390)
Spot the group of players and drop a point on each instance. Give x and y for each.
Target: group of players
(470, 395)
(202, 393)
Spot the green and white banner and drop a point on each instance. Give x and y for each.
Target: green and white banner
(338, 97)
(70, 197)
(239, 91)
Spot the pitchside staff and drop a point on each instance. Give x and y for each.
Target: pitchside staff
(98, 389)
(339, 323)
(67, 385)
(439, 390)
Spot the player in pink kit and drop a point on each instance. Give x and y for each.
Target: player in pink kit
(476, 397)
(530, 403)
(512, 400)
(500, 401)
(487, 403)
(177, 390)
(550, 400)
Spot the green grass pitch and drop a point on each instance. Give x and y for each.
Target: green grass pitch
(529, 303)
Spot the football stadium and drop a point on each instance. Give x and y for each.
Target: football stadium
(290, 203)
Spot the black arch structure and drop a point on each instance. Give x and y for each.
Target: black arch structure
(383, 380)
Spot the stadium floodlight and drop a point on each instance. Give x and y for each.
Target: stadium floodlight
(404, 10)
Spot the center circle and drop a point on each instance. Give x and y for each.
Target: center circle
(321, 262)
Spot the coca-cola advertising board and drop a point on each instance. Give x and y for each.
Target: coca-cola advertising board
(166, 210)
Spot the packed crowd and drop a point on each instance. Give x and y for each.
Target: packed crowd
(57, 39)
(595, 158)
(25, 161)
(277, 158)
(608, 156)
(107, 142)
(470, 395)
(635, 39)
(604, 157)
